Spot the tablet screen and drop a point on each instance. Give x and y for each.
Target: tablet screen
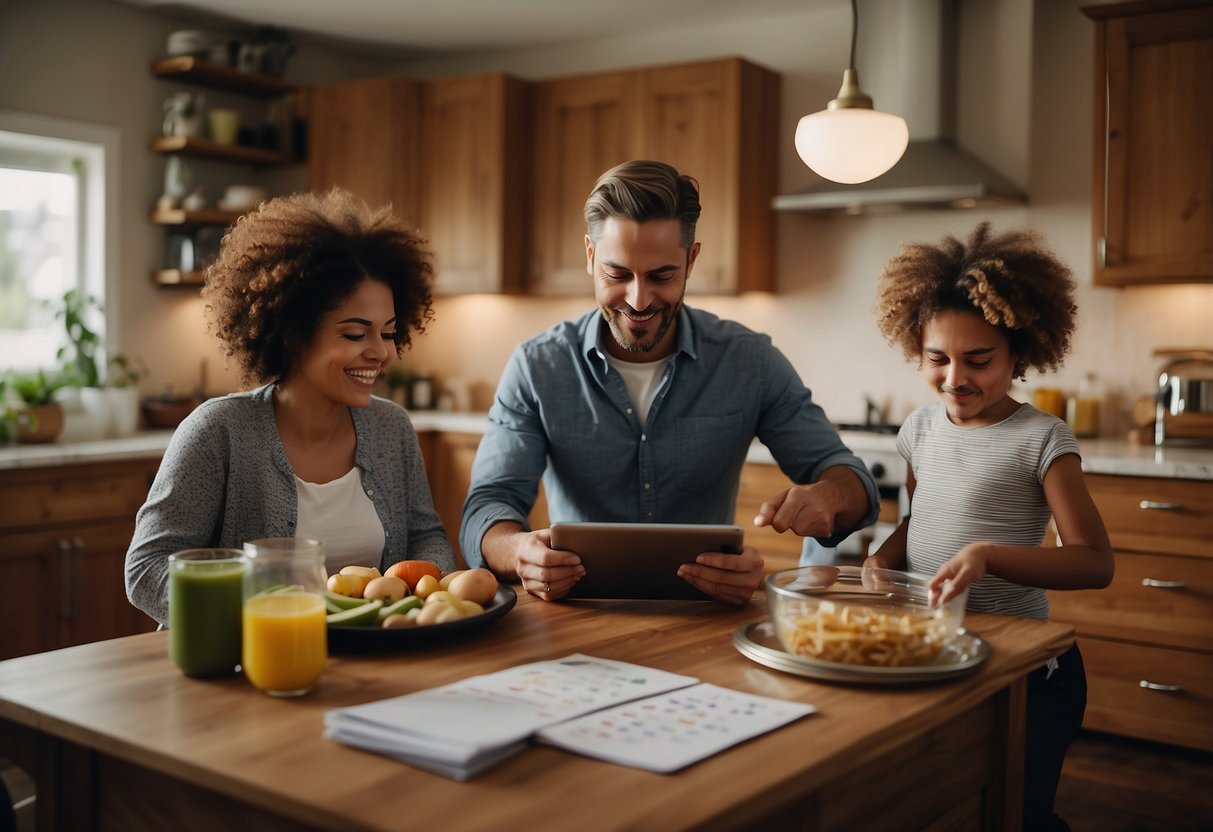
(641, 560)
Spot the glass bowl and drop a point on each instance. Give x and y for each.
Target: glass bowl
(855, 615)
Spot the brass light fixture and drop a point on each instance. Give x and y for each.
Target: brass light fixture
(850, 141)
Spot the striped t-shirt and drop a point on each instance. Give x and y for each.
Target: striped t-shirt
(983, 483)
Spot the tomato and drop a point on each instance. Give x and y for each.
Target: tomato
(412, 571)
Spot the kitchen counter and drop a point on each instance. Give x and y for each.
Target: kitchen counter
(119, 739)
(1100, 456)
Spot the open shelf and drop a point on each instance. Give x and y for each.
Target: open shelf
(207, 149)
(179, 216)
(191, 70)
(176, 277)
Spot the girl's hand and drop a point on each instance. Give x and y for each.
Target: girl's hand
(967, 566)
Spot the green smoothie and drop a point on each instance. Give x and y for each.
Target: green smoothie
(205, 598)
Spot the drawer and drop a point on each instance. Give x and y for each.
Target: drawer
(73, 493)
(1159, 599)
(1153, 514)
(1117, 702)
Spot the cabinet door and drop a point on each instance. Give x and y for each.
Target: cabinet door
(1153, 177)
(92, 586)
(26, 620)
(583, 127)
(718, 122)
(474, 181)
(362, 136)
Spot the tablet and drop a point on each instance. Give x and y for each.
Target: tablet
(641, 560)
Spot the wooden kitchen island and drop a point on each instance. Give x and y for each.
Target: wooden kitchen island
(116, 738)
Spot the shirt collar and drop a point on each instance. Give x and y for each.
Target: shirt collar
(594, 331)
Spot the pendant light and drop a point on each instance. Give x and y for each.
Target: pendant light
(849, 141)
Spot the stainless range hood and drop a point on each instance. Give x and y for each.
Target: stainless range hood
(935, 171)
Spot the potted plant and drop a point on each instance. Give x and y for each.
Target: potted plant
(84, 401)
(122, 394)
(40, 417)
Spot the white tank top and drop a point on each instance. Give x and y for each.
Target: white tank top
(342, 516)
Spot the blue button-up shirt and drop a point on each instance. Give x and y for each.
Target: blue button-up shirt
(563, 413)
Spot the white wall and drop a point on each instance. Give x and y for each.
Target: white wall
(1037, 130)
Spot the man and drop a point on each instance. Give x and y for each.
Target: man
(643, 410)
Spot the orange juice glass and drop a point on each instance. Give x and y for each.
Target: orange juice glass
(285, 644)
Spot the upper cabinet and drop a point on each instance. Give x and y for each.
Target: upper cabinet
(1152, 211)
(362, 136)
(717, 121)
(475, 181)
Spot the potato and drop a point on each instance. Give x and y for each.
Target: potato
(471, 608)
(441, 596)
(479, 585)
(387, 589)
(411, 571)
(362, 574)
(425, 586)
(348, 585)
(445, 583)
(397, 620)
(438, 613)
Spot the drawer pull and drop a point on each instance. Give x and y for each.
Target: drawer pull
(1157, 584)
(1157, 505)
(1155, 686)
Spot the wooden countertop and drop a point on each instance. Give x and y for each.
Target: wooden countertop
(124, 699)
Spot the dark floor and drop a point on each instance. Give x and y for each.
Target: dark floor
(1112, 784)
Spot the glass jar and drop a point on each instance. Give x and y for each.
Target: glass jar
(1082, 410)
(285, 622)
(205, 592)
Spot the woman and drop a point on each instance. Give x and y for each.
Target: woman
(313, 295)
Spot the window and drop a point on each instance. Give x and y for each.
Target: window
(53, 231)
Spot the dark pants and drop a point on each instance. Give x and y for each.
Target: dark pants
(1055, 708)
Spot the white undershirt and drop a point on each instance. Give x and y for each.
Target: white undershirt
(642, 379)
(342, 516)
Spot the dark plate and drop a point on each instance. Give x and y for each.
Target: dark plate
(376, 639)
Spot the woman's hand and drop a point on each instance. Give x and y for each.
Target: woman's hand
(968, 565)
(729, 578)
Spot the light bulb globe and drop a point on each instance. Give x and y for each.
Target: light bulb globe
(852, 144)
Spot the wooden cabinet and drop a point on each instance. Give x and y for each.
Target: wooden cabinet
(195, 71)
(64, 532)
(583, 127)
(1152, 211)
(363, 136)
(1148, 638)
(475, 181)
(717, 121)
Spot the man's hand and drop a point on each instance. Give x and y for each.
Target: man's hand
(729, 578)
(836, 501)
(545, 572)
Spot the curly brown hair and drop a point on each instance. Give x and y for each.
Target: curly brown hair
(1009, 279)
(284, 266)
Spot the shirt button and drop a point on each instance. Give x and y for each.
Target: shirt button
(648, 514)
(370, 492)
(647, 486)
(643, 438)
(387, 533)
(629, 410)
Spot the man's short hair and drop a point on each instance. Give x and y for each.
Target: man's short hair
(643, 190)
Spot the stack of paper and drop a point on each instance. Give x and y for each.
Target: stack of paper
(461, 729)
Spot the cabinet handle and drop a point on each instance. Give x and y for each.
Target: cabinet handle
(1155, 686)
(1156, 505)
(1101, 253)
(1157, 584)
(66, 596)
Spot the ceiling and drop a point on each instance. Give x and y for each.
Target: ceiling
(432, 27)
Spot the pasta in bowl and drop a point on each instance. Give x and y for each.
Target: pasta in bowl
(859, 616)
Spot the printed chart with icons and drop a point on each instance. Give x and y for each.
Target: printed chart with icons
(668, 732)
